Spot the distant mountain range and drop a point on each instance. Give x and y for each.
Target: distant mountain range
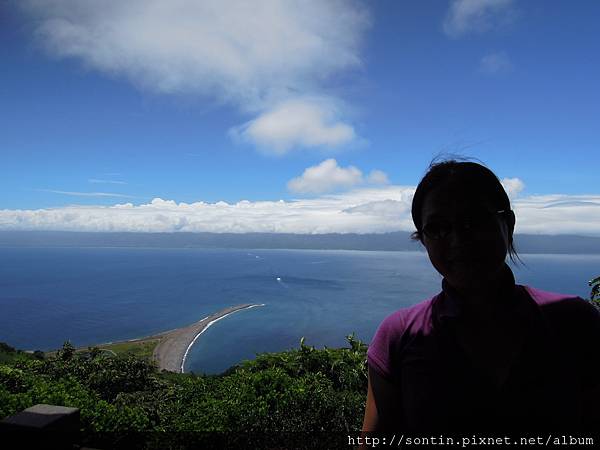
(525, 243)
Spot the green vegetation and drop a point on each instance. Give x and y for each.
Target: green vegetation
(142, 348)
(9, 354)
(595, 292)
(278, 399)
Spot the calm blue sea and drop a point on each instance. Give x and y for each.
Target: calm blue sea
(96, 295)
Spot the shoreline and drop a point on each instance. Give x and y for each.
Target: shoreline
(173, 347)
(220, 315)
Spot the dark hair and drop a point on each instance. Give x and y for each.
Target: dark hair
(468, 173)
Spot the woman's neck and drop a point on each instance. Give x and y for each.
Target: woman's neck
(486, 298)
(481, 302)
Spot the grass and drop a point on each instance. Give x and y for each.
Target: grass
(142, 348)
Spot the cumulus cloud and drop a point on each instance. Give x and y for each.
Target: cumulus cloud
(253, 55)
(299, 123)
(328, 176)
(476, 16)
(495, 63)
(512, 186)
(324, 177)
(378, 177)
(364, 210)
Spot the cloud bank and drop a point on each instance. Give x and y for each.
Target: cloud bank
(365, 210)
(263, 57)
(322, 215)
(328, 176)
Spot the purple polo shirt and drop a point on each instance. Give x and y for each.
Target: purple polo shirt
(439, 388)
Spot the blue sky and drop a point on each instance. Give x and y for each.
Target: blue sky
(292, 116)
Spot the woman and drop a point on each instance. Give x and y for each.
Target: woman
(485, 354)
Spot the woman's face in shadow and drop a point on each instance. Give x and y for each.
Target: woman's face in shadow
(465, 236)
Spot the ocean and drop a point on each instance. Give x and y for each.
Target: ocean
(96, 295)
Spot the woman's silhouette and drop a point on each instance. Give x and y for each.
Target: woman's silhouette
(485, 354)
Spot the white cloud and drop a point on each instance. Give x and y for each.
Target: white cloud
(558, 214)
(496, 63)
(365, 210)
(328, 176)
(378, 177)
(86, 194)
(312, 216)
(98, 181)
(512, 186)
(476, 16)
(253, 55)
(383, 208)
(300, 123)
(325, 177)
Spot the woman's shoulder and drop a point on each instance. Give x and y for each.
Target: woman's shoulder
(565, 303)
(414, 316)
(542, 297)
(404, 322)
(393, 334)
(569, 313)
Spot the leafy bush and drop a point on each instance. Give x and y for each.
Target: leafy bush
(106, 376)
(345, 368)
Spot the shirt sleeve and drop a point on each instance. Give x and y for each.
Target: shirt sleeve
(384, 345)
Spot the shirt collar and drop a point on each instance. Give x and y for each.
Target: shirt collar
(450, 305)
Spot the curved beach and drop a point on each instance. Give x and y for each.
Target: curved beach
(172, 350)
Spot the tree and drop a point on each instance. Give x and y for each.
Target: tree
(67, 351)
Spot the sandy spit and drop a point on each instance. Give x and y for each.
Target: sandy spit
(172, 350)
